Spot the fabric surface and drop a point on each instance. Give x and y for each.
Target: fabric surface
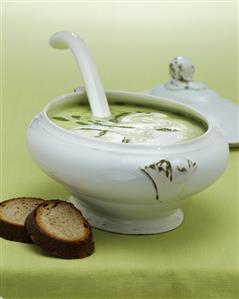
(197, 260)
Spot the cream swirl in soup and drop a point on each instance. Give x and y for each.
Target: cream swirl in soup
(129, 123)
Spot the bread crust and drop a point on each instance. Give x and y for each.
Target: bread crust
(61, 248)
(13, 231)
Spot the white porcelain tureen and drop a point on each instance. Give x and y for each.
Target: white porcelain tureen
(127, 188)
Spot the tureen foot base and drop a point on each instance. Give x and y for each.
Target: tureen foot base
(127, 226)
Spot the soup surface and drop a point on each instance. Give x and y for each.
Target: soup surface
(129, 123)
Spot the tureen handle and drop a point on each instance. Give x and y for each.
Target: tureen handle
(94, 88)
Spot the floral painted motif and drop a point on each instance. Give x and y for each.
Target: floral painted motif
(155, 170)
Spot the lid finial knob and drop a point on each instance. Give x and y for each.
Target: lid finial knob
(181, 69)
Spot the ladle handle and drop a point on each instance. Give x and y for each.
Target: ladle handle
(94, 88)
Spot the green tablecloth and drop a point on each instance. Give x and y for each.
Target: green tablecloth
(132, 45)
(197, 260)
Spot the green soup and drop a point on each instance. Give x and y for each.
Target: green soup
(129, 123)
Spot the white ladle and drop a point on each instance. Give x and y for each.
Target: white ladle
(94, 88)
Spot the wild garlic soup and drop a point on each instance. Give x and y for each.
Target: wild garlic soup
(128, 123)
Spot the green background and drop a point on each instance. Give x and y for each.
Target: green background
(132, 44)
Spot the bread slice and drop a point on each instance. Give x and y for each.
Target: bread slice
(59, 228)
(13, 213)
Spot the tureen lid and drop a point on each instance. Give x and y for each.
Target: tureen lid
(183, 89)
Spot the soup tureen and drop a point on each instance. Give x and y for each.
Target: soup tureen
(130, 188)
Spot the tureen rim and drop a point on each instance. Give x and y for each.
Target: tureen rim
(128, 146)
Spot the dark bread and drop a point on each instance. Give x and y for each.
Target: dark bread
(13, 213)
(59, 228)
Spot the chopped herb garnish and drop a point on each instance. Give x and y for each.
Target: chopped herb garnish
(92, 129)
(76, 116)
(125, 140)
(81, 122)
(103, 132)
(118, 116)
(167, 130)
(60, 118)
(99, 123)
(124, 127)
(120, 103)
